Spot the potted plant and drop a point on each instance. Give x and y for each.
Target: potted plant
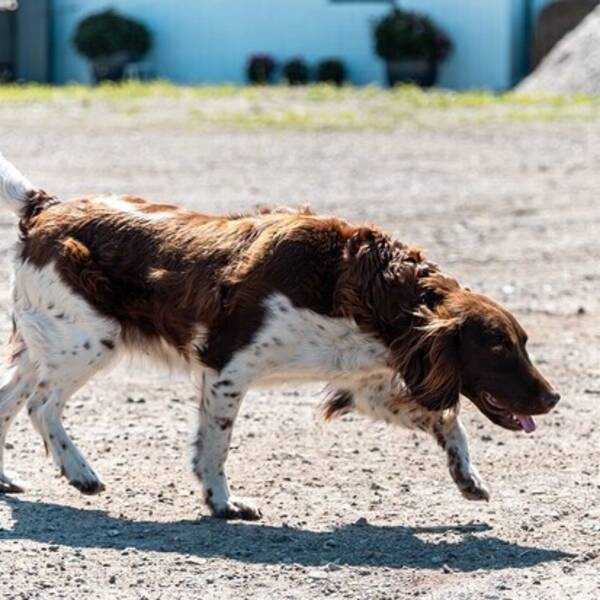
(412, 47)
(260, 69)
(110, 41)
(295, 71)
(331, 70)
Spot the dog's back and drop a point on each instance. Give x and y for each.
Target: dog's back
(160, 271)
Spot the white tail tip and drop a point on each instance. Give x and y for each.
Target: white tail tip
(14, 187)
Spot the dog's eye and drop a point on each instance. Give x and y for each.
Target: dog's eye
(498, 341)
(501, 344)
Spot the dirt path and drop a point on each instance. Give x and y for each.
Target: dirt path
(352, 509)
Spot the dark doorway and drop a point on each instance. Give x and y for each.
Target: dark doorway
(24, 40)
(7, 41)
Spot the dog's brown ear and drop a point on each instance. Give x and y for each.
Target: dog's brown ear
(431, 370)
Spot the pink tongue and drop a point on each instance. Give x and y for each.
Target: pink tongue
(527, 423)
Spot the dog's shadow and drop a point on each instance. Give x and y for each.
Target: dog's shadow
(461, 548)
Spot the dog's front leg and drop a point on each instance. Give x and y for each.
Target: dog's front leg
(375, 397)
(220, 401)
(450, 434)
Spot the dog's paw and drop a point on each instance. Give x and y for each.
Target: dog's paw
(474, 489)
(9, 487)
(236, 508)
(89, 488)
(81, 476)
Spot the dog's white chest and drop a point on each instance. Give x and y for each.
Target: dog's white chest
(299, 344)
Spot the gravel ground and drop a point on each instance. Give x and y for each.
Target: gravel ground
(351, 509)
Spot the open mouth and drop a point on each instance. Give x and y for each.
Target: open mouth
(505, 418)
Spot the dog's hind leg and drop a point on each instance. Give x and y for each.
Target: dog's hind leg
(374, 397)
(67, 362)
(16, 384)
(68, 342)
(45, 409)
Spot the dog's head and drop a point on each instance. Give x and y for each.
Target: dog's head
(446, 340)
(475, 347)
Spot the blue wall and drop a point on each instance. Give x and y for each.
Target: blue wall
(208, 41)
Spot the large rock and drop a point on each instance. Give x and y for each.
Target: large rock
(554, 22)
(573, 66)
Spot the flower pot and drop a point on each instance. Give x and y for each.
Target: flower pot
(111, 67)
(260, 69)
(420, 71)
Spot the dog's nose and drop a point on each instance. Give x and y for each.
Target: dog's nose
(550, 399)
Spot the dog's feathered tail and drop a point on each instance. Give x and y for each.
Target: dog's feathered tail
(15, 188)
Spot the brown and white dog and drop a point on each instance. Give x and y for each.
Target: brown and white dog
(241, 300)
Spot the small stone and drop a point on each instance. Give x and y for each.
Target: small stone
(361, 522)
(567, 569)
(196, 560)
(376, 486)
(447, 569)
(314, 574)
(131, 400)
(112, 579)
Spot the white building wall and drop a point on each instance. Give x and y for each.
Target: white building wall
(209, 41)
